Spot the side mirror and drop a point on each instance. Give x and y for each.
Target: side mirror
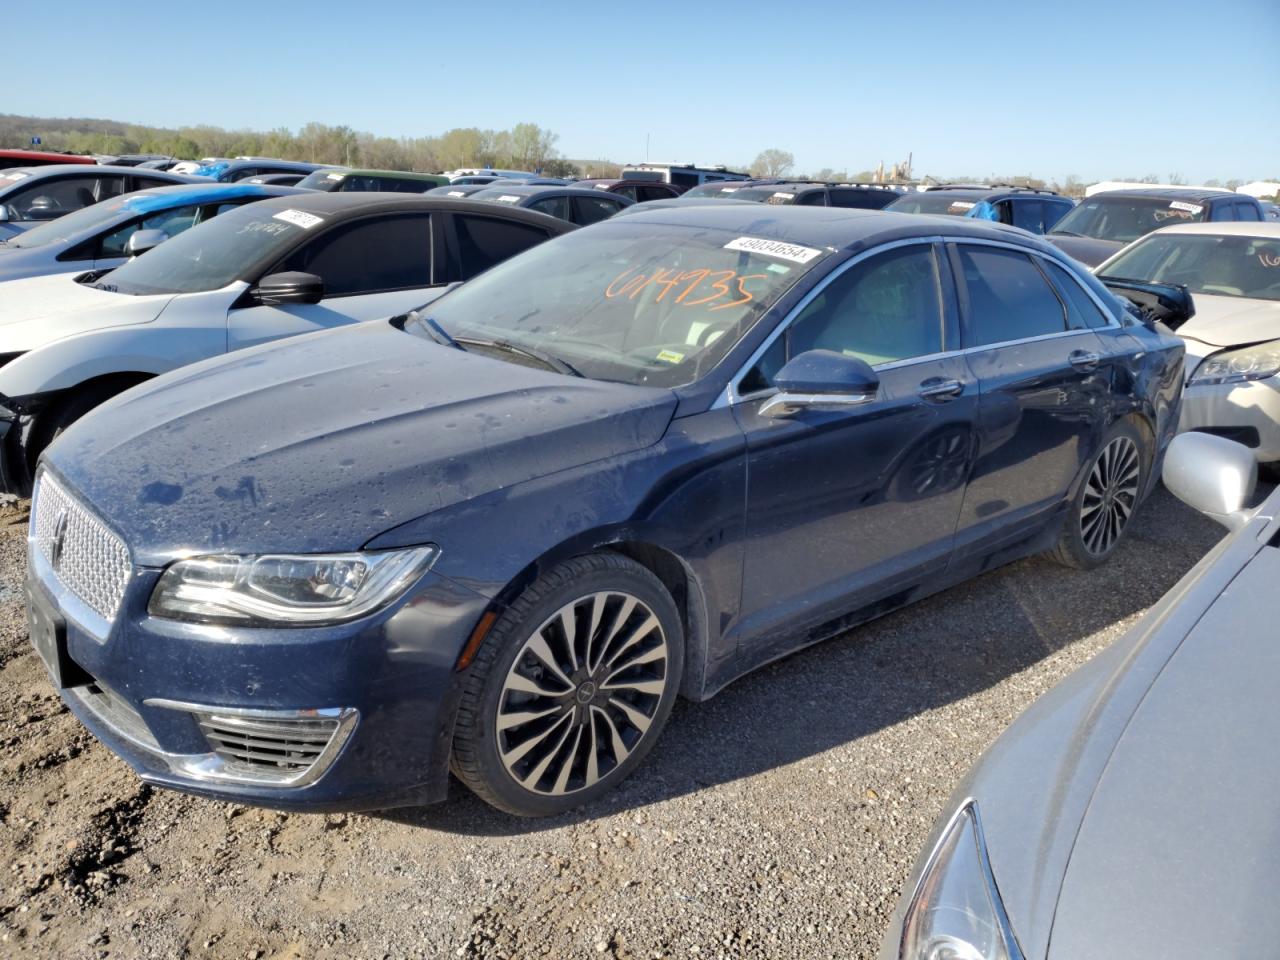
(1167, 303)
(821, 380)
(292, 286)
(140, 241)
(1215, 475)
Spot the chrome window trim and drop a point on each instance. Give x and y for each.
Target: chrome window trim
(731, 395)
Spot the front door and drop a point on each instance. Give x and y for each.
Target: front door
(847, 508)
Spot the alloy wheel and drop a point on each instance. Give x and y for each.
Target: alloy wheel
(1110, 495)
(581, 693)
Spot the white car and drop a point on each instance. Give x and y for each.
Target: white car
(275, 268)
(1233, 342)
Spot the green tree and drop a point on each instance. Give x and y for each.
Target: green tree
(772, 163)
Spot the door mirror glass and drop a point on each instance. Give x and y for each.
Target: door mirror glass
(290, 287)
(1215, 475)
(822, 380)
(140, 241)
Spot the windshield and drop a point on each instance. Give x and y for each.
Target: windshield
(1125, 219)
(326, 180)
(720, 189)
(763, 195)
(72, 225)
(935, 201)
(646, 305)
(212, 255)
(1223, 266)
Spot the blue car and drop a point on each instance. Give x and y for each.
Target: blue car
(501, 534)
(102, 237)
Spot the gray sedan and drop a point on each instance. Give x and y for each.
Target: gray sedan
(31, 195)
(103, 236)
(1132, 811)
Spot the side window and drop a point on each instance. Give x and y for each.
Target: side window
(762, 372)
(844, 197)
(1222, 211)
(1082, 312)
(594, 209)
(1028, 214)
(484, 241)
(147, 183)
(553, 207)
(387, 253)
(814, 198)
(1009, 298)
(172, 222)
(1004, 211)
(886, 308)
(1054, 210)
(653, 193)
(1246, 211)
(51, 199)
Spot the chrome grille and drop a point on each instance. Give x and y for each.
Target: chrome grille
(269, 747)
(86, 557)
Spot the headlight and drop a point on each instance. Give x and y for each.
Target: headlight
(1237, 366)
(956, 913)
(287, 590)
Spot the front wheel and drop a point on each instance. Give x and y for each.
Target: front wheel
(570, 688)
(1106, 502)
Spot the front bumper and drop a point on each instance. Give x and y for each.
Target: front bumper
(1248, 412)
(205, 709)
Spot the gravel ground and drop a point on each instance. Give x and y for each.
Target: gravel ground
(776, 821)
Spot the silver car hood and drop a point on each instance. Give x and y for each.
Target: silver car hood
(1228, 321)
(1179, 852)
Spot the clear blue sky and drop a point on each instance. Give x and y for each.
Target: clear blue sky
(1098, 89)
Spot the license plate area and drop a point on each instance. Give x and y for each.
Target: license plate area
(49, 637)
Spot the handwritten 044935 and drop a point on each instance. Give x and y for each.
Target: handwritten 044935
(703, 287)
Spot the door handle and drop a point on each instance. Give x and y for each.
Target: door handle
(1084, 360)
(937, 389)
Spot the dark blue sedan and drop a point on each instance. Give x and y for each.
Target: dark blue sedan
(502, 534)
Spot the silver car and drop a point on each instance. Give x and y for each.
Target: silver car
(1133, 810)
(103, 236)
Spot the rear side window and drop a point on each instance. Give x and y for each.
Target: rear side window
(1246, 211)
(484, 241)
(814, 198)
(553, 207)
(1222, 211)
(1054, 210)
(645, 194)
(1082, 312)
(385, 253)
(1028, 214)
(594, 209)
(1009, 298)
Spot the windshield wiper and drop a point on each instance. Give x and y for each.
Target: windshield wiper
(506, 346)
(435, 331)
(1066, 233)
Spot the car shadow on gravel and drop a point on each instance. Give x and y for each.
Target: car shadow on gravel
(925, 656)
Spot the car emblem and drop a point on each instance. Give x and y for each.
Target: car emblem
(59, 539)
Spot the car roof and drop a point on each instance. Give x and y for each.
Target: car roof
(839, 228)
(53, 169)
(344, 204)
(405, 174)
(539, 190)
(1165, 193)
(75, 159)
(179, 194)
(1229, 228)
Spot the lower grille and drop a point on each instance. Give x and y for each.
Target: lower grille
(118, 714)
(280, 749)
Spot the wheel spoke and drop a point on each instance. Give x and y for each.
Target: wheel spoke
(640, 686)
(522, 684)
(597, 611)
(631, 643)
(568, 621)
(620, 749)
(566, 768)
(638, 719)
(516, 754)
(593, 746)
(538, 646)
(508, 720)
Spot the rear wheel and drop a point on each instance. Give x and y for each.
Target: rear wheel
(570, 688)
(1105, 503)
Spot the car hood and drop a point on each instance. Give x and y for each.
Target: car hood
(1179, 853)
(1087, 250)
(1228, 321)
(323, 442)
(38, 310)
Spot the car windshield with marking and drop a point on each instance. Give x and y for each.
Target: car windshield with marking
(654, 306)
(1125, 219)
(212, 255)
(1217, 266)
(935, 201)
(764, 195)
(325, 180)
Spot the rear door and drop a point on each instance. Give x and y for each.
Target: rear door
(848, 507)
(372, 268)
(1044, 376)
(475, 242)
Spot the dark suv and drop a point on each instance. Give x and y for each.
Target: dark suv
(1025, 207)
(1105, 222)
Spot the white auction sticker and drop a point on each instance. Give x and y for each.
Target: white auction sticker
(1187, 207)
(508, 198)
(456, 193)
(299, 219)
(336, 176)
(774, 248)
(962, 205)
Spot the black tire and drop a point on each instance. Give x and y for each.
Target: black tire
(504, 658)
(53, 422)
(1081, 544)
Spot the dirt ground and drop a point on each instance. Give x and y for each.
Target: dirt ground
(776, 821)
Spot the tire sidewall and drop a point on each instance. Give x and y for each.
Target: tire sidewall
(1072, 538)
(509, 635)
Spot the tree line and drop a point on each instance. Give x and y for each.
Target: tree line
(526, 146)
